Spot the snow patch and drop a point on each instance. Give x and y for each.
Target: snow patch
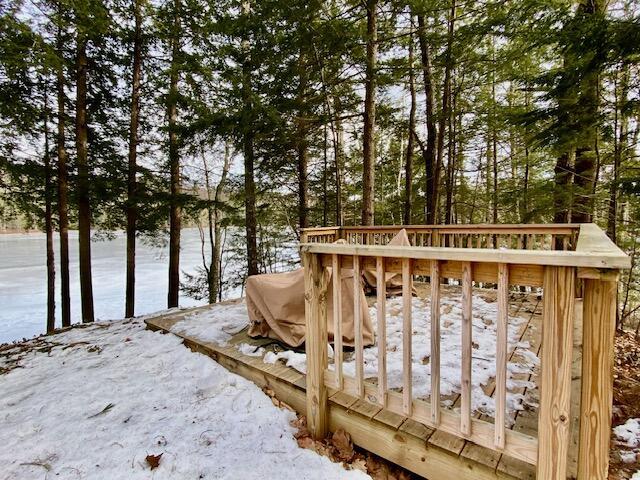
(629, 433)
(106, 396)
(216, 324)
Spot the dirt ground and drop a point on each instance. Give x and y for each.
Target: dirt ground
(626, 400)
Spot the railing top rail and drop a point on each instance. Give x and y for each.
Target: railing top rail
(459, 228)
(597, 259)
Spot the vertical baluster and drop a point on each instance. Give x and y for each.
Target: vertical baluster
(501, 353)
(479, 241)
(520, 242)
(357, 319)
(435, 342)
(467, 290)
(337, 319)
(406, 336)
(381, 288)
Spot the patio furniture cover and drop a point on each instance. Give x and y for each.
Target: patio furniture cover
(275, 303)
(392, 280)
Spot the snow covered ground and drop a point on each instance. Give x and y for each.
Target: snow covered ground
(219, 323)
(94, 402)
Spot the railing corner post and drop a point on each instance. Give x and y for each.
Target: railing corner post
(555, 373)
(316, 283)
(598, 329)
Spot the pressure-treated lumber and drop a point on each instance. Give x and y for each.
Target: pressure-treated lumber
(435, 343)
(357, 320)
(381, 310)
(467, 350)
(316, 284)
(337, 319)
(611, 258)
(407, 390)
(599, 314)
(501, 354)
(555, 375)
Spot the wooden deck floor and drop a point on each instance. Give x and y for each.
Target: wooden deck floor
(430, 453)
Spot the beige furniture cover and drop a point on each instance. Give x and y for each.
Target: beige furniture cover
(275, 303)
(392, 280)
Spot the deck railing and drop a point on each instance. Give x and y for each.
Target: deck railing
(549, 256)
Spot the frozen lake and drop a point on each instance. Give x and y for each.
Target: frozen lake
(23, 279)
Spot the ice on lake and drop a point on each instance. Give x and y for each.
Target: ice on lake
(23, 279)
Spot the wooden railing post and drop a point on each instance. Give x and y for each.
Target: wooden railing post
(555, 373)
(598, 326)
(316, 284)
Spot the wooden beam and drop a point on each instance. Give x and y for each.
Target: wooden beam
(337, 319)
(555, 373)
(584, 258)
(467, 350)
(435, 343)
(502, 325)
(599, 318)
(357, 323)
(407, 284)
(381, 311)
(316, 284)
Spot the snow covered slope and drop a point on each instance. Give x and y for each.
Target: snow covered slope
(93, 402)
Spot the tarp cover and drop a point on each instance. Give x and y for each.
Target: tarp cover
(393, 280)
(275, 303)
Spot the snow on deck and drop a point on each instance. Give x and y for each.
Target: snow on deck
(94, 402)
(219, 323)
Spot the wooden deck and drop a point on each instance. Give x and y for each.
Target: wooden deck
(422, 450)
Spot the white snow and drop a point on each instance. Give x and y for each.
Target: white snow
(636, 476)
(629, 432)
(106, 396)
(216, 323)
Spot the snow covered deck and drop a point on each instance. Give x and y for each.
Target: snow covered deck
(217, 332)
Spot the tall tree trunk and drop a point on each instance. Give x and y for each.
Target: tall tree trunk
(408, 164)
(247, 147)
(216, 254)
(429, 153)
(585, 155)
(175, 220)
(132, 210)
(84, 208)
(48, 222)
(302, 144)
(369, 130)
(325, 176)
(63, 180)
(338, 156)
(494, 138)
(621, 131)
(444, 116)
(452, 160)
(562, 180)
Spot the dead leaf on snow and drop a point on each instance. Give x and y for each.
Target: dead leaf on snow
(153, 461)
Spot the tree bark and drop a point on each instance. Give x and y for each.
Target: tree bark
(84, 207)
(338, 156)
(216, 253)
(429, 153)
(48, 221)
(369, 130)
(302, 144)
(175, 219)
(408, 164)
(621, 132)
(444, 116)
(247, 147)
(132, 208)
(63, 188)
(584, 178)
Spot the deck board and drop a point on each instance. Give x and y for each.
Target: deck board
(487, 463)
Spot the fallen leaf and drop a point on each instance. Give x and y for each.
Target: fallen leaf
(153, 461)
(341, 442)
